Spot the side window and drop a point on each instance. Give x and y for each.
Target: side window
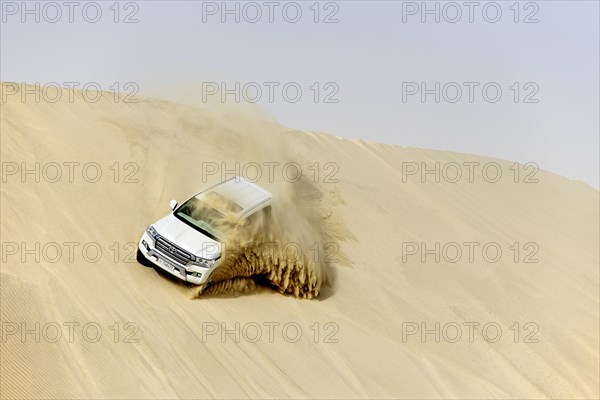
(259, 217)
(267, 213)
(251, 220)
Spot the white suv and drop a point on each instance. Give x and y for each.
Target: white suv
(185, 244)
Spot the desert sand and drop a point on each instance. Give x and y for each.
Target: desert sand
(361, 338)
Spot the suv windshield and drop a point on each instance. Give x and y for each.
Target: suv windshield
(200, 215)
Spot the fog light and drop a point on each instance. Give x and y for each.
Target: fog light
(145, 245)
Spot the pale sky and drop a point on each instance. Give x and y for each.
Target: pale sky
(373, 61)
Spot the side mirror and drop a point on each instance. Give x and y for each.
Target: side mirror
(173, 204)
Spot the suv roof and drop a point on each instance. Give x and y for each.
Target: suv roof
(243, 193)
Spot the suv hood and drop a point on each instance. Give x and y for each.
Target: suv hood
(187, 237)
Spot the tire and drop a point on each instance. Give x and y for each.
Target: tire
(141, 259)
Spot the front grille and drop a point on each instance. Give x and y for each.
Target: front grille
(173, 251)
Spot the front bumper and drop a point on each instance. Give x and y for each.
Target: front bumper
(188, 273)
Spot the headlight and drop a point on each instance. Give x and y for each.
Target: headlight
(152, 232)
(202, 262)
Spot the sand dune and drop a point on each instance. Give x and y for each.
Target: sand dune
(376, 225)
